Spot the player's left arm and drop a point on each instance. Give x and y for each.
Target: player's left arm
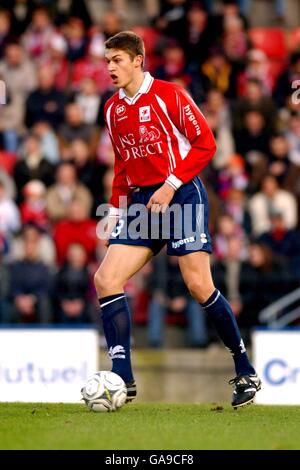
(188, 119)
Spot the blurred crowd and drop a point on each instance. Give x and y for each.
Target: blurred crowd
(56, 161)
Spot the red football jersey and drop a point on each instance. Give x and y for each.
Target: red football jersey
(158, 135)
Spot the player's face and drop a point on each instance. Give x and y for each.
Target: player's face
(121, 67)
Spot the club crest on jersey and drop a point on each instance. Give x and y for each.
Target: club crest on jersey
(120, 110)
(145, 114)
(148, 135)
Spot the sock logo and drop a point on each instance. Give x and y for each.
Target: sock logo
(116, 352)
(242, 346)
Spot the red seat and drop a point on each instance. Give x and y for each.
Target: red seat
(272, 41)
(294, 39)
(7, 161)
(149, 35)
(276, 67)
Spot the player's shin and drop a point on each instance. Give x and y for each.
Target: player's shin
(220, 313)
(116, 320)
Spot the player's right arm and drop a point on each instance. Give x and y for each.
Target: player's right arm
(119, 197)
(120, 188)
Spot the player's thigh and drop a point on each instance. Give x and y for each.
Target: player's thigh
(120, 263)
(196, 272)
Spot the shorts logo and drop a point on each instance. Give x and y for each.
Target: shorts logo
(183, 242)
(150, 134)
(144, 113)
(203, 238)
(120, 110)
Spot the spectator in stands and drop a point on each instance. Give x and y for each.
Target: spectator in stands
(284, 114)
(279, 163)
(229, 9)
(4, 285)
(72, 285)
(227, 272)
(235, 40)
(38, 35)
(107, 183)
(236, 205)
(169, 295)
(9, 214)
(228, 228)
(263, 280)
(77, 228)
(171, 18)
(71, 9)
(33, 166)
(257, 67)
(5, 30)
(254, 99)
(272, 199)
(76, 39)
(45, 103)
(7, 164)
(151, 8)
(92, 66)
(21, 13)
(198, 35)
(112, 23)
(278, 7)
(74, 128)
(33, 208)
(232, 176)
(44, 243)
(90, 172)
(216, 72)
(284, 83)
(56, 58)
(30, 287)
(215, 103)
(293, 137)
(19, 76)
(6, 179)
(253, 135)
(223, 137)
(66, 189)
(48, 141)
(283, 242)
(89, 100)
(217, 113)
(173, 64)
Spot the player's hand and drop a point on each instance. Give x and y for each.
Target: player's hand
(110, 223)
(161, 199)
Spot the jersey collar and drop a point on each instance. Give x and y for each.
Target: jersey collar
(144, 88)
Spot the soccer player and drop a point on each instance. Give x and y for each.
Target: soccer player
(161, 143)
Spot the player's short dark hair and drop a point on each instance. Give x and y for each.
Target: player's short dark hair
(127, 41)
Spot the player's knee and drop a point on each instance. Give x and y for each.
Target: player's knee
(105, 283)
(199, 289)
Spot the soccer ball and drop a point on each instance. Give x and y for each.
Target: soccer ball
(104, 391)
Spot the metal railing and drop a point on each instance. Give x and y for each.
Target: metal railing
(270, 314)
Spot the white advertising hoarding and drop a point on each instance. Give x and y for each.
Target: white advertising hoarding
(277, 362)
(46, 365)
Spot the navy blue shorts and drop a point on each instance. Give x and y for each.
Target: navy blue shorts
(184, 226)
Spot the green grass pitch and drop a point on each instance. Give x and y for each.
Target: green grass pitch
(149, 426)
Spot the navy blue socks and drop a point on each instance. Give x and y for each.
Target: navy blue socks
(117, 330)
(220, 313)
